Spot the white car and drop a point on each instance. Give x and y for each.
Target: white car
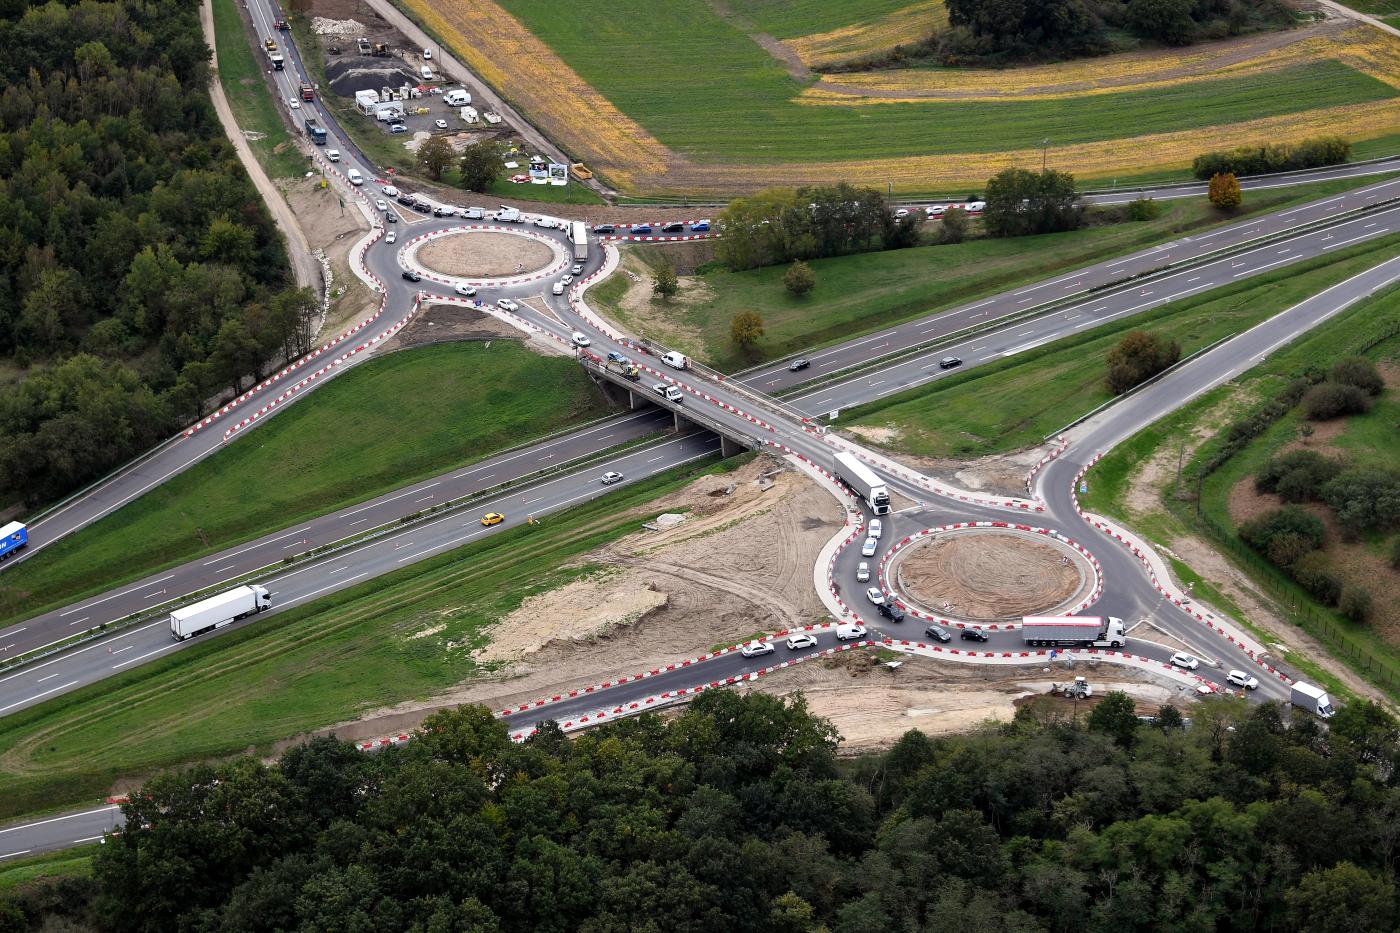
(580, 339)
(902, 212)
(869, 548)
(390, 191)
(544, 222)
(466, 291)
(610, 477)
(381, 204)
(427, 55)
(576, 268)
(754, 649)
(440, 124)
(800, 641)
(1182, 659)
(850, 632)
(875, 596)
(567, 280)
(1241, 679)
(507, 304)
(876, 528)
(863, 572)
(391, 237)
(294, 104)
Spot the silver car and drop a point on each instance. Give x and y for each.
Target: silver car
(869, 548)
(612, 476)
(754, 649)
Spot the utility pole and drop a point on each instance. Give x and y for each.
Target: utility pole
(1044, 154)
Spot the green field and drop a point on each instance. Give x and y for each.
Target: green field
(1015, 403)
(790, 18)
(860, 293)
(707, 91)
(65, 863)
(253, 106)
(313, 666)
(384, 424)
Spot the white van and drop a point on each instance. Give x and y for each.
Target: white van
(457, 97)
(674, 360)
(426, 72)
(355, 177)
(333, 155)
(850, 632)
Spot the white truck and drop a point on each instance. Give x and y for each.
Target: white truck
(457, 97)
(1313, 699)
(863, 482)
(218, 611)
(1073, 632)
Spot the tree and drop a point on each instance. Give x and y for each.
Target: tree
(1167, 21)
(1168, 717)
(1342, 899)
(953, 225)
(1019, 203)
(1138, 357)
(1355, 602)
(236, 353)
(746, 329)
(799, 279)
(1115, 716)
(435, 155)
(1328, 400)
(482, 164)
(1224, 191)
(665, 282)
(1144, 208)
(1357, 371)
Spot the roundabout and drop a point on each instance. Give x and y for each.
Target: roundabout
(484, 256)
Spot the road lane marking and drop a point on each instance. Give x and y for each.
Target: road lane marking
(98, 602)
(1267, 265)
(424, 499)
(306, 596)
(58, 819)
(78, 622)
(1364, 236)
(36, 696)
(13, 854)
(253, 547)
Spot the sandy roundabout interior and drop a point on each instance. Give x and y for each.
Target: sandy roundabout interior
(992, 575)
(484, 254)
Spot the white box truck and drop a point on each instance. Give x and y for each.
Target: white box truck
(218, 611)
(863, 482)
(1073, 632)
(1313, 699)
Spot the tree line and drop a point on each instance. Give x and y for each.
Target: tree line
(737, 815)
(139, 271)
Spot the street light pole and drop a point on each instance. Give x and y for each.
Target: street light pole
(1044, 154)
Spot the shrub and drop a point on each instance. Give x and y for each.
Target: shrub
(665, 282)
(953, 227)
(799, 279)
(1225, 191)
(1274, 157)
(1395, 553)
(1138, 357)
(1260, 530)
(1364, 499)
(1332, 400)
(1285, 549)
(1355, 602)
(1313, 573)
(1358, 371)
(1297, 476)
(746, 329)
(1144, 209)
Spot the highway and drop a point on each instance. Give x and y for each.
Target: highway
(1082, 299)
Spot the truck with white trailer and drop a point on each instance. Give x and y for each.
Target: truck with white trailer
(217, 611)
(1313, 699)
(578, 235)
(1073, 632)
(14, 537)
(863, 482)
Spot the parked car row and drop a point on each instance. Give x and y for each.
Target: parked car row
(675, 226)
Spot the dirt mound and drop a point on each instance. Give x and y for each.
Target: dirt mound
(579, 611)
(989, 576)
(475, 255)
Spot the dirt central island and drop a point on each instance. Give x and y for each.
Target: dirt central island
(988, 575)
(484, 255)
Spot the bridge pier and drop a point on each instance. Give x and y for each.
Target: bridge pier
(729, 448)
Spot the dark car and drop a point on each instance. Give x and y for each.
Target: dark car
(604, 228)
(282, 26)
(973, 634)
(405, 199)
(422, 208)
(673, 228)
(799, 363)
(940, 634)
(411, 276)
(892, 612)
(948, 362)
(635, 229)
(392, 217)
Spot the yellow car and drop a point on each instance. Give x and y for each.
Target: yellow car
(492, 518)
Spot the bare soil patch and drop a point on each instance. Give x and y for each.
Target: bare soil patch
(334, 229)
(989, 576)
(649, 316)
(478, 255)
(450, 323)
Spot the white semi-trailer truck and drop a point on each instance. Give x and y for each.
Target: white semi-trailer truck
(863, 482)
(218, 611)
(1073, 632)
(1313, 699)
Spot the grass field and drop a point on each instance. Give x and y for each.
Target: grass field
(316, 665)
(384, 424)
(65, 863)
(253, 105)
(696, 101)
(857, 294)
(1015, 403)
(1369, 439)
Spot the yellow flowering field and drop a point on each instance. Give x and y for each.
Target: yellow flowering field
(910, 24)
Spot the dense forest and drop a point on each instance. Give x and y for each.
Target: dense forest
(139, 271)
(737, 816)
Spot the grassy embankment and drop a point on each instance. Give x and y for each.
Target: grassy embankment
(253, 106)
(862, 293)
(1366, 440)
(65, 863)
(386, 423)
(400, 637)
